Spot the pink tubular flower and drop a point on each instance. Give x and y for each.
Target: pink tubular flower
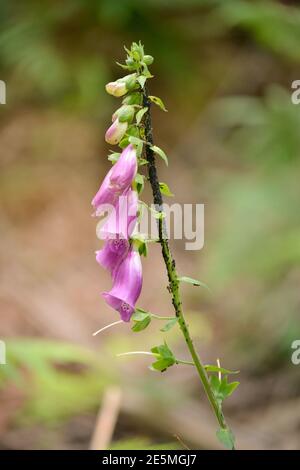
(117, 180)
(127, 285)
(112, 253)
(116, 132)
(122, 219)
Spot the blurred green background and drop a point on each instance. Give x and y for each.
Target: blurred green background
(224, 70)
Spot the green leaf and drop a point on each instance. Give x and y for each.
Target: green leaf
(226, 438)
(124, 67)
(135, 140)
(132, 98)
(230, 388)
(164, 351)
(212, 368)
(124, 142)
(160, 152)
(164, 188)
(140, 315)
(169, 325)
(161, 364)
(139, 182)
(142, 161)
(195, 282)
(141, 324)
(133, 131)
(221, 388)
(142, 79)
(158, 101)
(114, 157)
(140, 114)
(215, 383)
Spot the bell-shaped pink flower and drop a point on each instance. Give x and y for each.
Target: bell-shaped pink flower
(116, 132)
(127, 285)
(118, 179)
(112, 253)
(122, 219)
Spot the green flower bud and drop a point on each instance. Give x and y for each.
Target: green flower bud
(116, 88)
(130, 62)
(148, 59)
(124, 114)
(133, 98)
(130, 82)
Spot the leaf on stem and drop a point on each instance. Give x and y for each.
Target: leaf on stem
(142, 80)
(212, 368)
(221, 388)
(141, 320)
(169, 325)
(158, 101)
(114, 157)
(140, 114)
(135, 140)
(165, 190)
(195, 282)
(165, 357)
(160, 153)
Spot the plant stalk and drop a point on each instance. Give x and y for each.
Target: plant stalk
(173, 286)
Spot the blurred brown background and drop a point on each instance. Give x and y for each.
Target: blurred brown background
(224, 70)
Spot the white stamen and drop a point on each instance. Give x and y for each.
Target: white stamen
(107, 326)
(137, 352)
(220, 373)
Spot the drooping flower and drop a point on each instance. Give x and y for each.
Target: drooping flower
(112, 253)
(122, 219)
(117, 229)
(116, 132)
(118, 179)
(127, 285)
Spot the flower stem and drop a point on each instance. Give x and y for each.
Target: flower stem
(171, 267)
(159, 317)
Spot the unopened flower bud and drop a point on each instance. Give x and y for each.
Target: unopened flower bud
(124, 114)
(116, 88)
(133, 98)
(130, 81)
(148, 59)
(116, 132)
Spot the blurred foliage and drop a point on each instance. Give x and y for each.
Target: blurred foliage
(62, 52)
(142, 444)
(58, 380)
(258, 244)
